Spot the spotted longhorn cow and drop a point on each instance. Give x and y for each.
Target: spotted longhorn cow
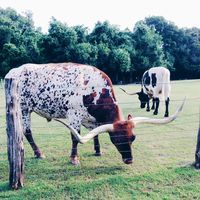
(155, 84)
(76, 95)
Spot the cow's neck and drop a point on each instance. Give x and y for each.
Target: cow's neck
(105, 110)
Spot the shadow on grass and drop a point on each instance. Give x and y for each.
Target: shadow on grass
(61, 174)
(71, 172)
(61, 169)
(4, 187)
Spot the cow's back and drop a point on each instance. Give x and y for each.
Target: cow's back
(158, 79)
(52, 89)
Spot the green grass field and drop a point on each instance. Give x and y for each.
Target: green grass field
(162, 157)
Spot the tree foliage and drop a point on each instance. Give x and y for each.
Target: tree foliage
(123, 55)
(18, 40)
(148, 48)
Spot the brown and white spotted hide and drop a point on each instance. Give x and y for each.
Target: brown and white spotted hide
(80, 94)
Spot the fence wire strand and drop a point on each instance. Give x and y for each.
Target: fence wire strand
(173, 128)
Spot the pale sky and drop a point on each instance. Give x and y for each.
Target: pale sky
(124, 13)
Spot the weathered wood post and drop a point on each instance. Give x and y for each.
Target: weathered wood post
(197, 152)
(14, 134)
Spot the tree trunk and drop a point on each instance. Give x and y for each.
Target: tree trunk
(14, 134)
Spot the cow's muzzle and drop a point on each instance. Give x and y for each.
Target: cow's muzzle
(128, 161)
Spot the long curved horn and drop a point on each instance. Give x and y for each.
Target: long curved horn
(91, 134)
(146, 120)
(128, 92)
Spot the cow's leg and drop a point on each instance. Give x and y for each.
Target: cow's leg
(26, 120)
(90, 125)
(148, 107)
(157, 101)
(37, 152)
(167, 107)
(74, 117)
(153, 105)
(74, 153)
(97, 146)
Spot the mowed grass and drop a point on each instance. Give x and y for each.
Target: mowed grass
(163, 156)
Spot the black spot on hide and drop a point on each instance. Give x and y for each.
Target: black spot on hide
(154, 79)
(146, 78)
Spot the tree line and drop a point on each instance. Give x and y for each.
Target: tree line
(123, 54)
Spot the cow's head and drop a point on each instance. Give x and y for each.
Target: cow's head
(144, 98)
(122, 137)
(121, 132)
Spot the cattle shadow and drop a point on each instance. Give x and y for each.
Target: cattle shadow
(64, 170)
(44, 170)
(101, 170)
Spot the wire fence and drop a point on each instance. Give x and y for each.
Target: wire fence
(142, 131)
(175, 82)
(174, 131)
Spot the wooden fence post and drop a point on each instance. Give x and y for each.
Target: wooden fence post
(197, 152)
(14, 134)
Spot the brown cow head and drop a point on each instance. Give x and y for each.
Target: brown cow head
(122, 137)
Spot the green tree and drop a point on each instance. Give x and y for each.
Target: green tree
(119, 62)
(148, 48)
(103, 53)
(104, 33)
(110, 42)
(12, 56)
(82, 33)
(57, 45)
(18, 40)
(153, 42)
(84, 53)
(188, 54)
(181, 47)
(170, 36)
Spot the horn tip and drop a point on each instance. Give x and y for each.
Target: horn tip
(181, 107)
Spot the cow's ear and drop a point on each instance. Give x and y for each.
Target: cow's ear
(129, 116)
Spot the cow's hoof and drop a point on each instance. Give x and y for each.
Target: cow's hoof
(98, 154)
(39, 155)
(166, 115)
(148, 110)
(152, 108)
(197, 165)
(74, 161)
(155, 113)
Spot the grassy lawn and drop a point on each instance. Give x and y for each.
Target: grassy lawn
(162, 157)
